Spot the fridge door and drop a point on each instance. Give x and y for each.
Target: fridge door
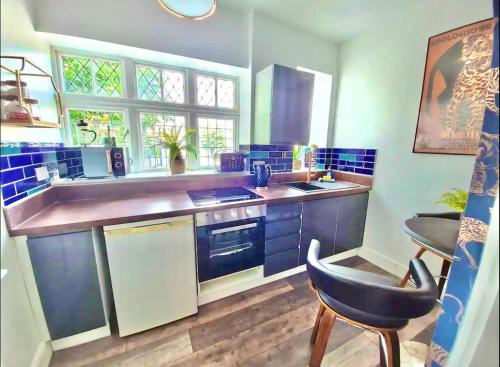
(153, 272)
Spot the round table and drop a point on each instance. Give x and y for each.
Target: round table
(436, 235)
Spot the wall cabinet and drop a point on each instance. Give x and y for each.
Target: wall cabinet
(337, 223)
(283, 104)
(69, 283)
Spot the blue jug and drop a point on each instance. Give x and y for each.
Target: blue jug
(262, 175)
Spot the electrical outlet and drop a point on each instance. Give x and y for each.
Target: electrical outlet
(41, 173)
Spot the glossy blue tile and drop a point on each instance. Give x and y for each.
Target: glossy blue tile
(37, 158)
(276, 154)
(8, 191)
(9, 150)
(4, 163)
(348, 169)
(284, 160)
(371, 151)
(364, 171)
(258, 154)
(59, 155)
(289, 154)
(339, 150)
(29, 149)
(369, 165)
(11, 175)
(356, 151)
(20, 160)
(70, 154)
(14, 199)
(277, 167)
(26, 184)
(321, 150)
(285, 147)
(369, 158)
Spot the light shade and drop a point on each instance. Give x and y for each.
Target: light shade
(190, 9)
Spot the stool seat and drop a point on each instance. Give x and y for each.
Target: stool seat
(360, 316)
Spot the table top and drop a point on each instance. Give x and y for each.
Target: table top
(437, 234)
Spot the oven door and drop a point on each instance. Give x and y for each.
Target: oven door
(229, 247)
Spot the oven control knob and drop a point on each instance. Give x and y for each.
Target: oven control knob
(118, 155)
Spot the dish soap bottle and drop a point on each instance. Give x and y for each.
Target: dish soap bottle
(329, 173)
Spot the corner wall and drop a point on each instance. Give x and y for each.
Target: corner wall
(377, 107)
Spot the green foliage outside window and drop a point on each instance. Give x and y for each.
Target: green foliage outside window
(99, 122)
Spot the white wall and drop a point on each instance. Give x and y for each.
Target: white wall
(220, 38)
(20, 39)
(377, 107)
(273, 42)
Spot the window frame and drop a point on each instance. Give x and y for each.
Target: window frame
(216, 77)
(132, 106)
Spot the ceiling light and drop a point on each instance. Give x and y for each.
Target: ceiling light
(189, 9)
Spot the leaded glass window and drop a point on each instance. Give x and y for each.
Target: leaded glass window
(215, 135)
(215, 92)
(156, 84)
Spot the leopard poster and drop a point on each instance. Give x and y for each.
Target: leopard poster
(458, 84)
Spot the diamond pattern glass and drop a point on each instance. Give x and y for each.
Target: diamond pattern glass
(108, 78)
(214, 135)
(225, 93)
(98, 121)
(205, 90)
(148, 83)
(153, 124)
(173, 86)
(77, 74)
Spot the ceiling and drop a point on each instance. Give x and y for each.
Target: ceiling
(336, 20)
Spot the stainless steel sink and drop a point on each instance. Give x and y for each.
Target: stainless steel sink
(316, 185)
(303, 186)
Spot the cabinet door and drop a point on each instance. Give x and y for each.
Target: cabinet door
(291, 106)
(319, 221)
(281, 261)
(351, 222)
(66, 276)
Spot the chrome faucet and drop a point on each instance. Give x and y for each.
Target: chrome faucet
(308, 157)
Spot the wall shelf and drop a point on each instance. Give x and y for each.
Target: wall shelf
(24, 102)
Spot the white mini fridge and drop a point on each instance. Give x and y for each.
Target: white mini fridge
(153, 272)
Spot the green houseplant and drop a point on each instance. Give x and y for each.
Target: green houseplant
(297, 163)
(176, 143)
(455, 199)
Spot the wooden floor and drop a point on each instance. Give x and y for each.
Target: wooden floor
(265, 326)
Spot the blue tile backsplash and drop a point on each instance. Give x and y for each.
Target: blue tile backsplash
(18, 163)
(346, 159)
(279, 157)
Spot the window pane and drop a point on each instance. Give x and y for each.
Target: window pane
(153, 125)
(225, 93)
(108, 78)
(98, 121)
(214, 135)
(173, 86)
(205, 90)
(148, 83)
(77, 74)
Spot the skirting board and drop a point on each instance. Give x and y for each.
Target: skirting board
(81, 338)
(232, 284)
(42, 355)
(382, 262)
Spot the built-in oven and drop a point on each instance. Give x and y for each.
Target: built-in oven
(229, 241)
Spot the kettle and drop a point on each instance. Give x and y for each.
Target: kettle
(262, 175)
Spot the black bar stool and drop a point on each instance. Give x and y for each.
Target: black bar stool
(370, 301)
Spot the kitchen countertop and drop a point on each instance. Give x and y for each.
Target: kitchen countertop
(70, 215)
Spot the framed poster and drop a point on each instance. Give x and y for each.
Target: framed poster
(456, 79)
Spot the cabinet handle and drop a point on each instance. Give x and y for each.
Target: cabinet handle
(147, 228)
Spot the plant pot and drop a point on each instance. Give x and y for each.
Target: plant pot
(297, 164)
(177, 166)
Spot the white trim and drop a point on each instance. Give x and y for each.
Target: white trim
(81, 338)
(42, 355)
(383, 262)
(245, 280)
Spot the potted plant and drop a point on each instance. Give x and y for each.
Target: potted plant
(176, 143)
(455, 199)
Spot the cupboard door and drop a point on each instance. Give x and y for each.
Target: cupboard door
(66, 276)
(351, 222)
(281, 261)
(291, 106)
(319, 221)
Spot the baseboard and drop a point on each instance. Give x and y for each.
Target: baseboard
(382, 262)
(81, 338)
(42, 355)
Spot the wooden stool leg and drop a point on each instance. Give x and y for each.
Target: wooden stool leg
(321, 311)
(389, 349)
(444, 274)
(407, 275)
(325, 327)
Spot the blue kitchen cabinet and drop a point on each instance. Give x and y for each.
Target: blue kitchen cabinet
(66, 275)
(283, 105)
(283, 223)
(338, 223)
